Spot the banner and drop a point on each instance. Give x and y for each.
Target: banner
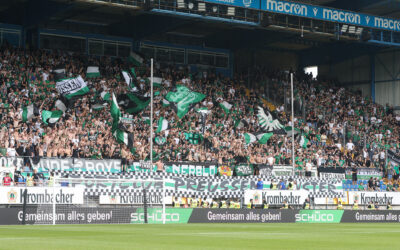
(282, 170)
(154, 215)
(319, 216)
(179, 168)
(225, 170)
(332, 173)
(244, 169)
(135, 199)
(41, 195)
(264, 169)
(393, 159)
(77, 164)
(365, 173)
(329, 14)
(276, 197)
(209, 187)
(364, 216)
(254, 4)
(242, 216)
(382, 198)
(124, 215)
(72, 87)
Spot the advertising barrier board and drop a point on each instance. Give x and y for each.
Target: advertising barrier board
(41, 195)
(276, 197)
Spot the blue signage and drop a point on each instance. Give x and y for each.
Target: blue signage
(315, 12)
(254, 4)
(329, 14)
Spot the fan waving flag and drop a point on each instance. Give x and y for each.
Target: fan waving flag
(183, 100)
(226, 107)
(51, 117)
(249, 138)
(29, 112)
(72, 87)
(162, 124)
(124, 137)
(135, 58)
(268, 123)
(114, 110)
(303, 141)
(264, 137)
(132, 103)
(92, 72)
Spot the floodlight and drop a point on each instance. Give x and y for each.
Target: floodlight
(231, 11)
(344, 28)
(352, 29)
(201, 7)
(181, 4)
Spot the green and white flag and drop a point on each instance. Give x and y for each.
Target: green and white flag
(72, 87)
(127, 77)
(114, 110)
(135, 58)
(105, 95)
(203, 110)
(193, 138)
(92, 71)
(29, 112)
(160, 140)
(264, 137)
(162, 124)
(165, 103)
(124, 137)
(303, 141)
(157, 81)
(60, 106)
(183, 100)
(249, 138)
(225, 106)
(51, 117)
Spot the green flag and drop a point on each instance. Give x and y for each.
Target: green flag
(135, 58)
(183, 100)
(124, 137)
(114, 110)
(249, 138)
(303, 141)
(162, 124)
(264, 137)
(193, 138)
(29, 112)
(92, 72)
(226, 107)
(133, 103)
(72, 87)
(51, 117)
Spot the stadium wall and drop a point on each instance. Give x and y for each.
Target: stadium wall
(376, 75)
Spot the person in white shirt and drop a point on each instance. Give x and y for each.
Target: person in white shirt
(350, 146)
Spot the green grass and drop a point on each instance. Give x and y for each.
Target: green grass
(202, 236)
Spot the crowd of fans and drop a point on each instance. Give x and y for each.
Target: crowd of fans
(341, 127)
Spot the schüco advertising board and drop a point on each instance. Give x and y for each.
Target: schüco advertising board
(126, 215)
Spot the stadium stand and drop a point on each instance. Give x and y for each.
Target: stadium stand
(335, 128)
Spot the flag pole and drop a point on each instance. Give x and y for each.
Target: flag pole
(151, 114)
(291, 86)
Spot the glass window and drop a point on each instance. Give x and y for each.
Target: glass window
(222, 61)
(110, 49)
(10, 37)
(95, 47)
(178, 56)
(75, 44)
(148, 51)
(193, 57)
(207, 59)
(124, 50)
(162, 54)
